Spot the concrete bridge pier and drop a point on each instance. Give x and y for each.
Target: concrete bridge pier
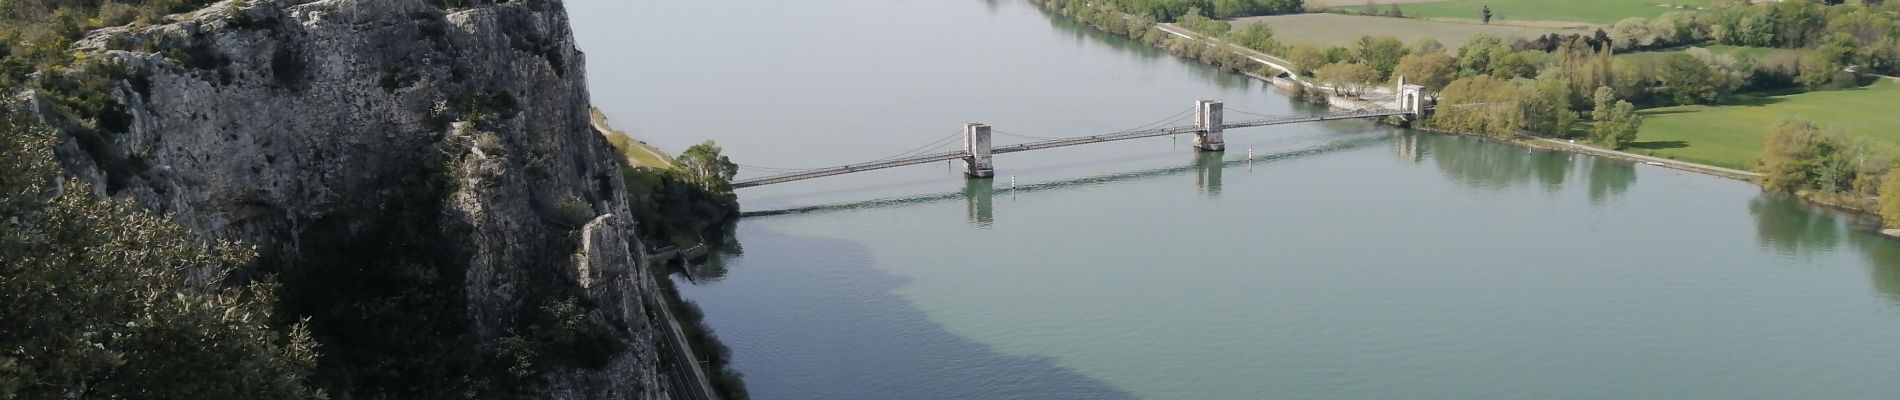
(1207, 117)
(976, 147)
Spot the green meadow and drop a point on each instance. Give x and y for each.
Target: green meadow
(1732, 135)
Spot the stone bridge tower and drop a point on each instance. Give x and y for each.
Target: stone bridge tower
(1411, 99)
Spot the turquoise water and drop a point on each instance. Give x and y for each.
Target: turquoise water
(1342, 260)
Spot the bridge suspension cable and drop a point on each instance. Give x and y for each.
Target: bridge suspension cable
(1163, 121)
(927, 147)
(1020, 136)
(772, 169)
(1231, 109)
(1160, 122)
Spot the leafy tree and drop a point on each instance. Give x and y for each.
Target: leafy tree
(1381, 53)
(1432, 70)
(1347, 78)
(1824, 65)
(1197, 21)
(1306, 58)
(1507, 64)
(1792, 158)
(1620, 127)
(1480, 105)
(1258, 36)
(1426, 46)
(705, 166)
(1232, 7)
(1632, 33)
(1547, 103)
(1475, 57)
(1689, 80)
(1337, 54)
(1890, 198)
(1600, 103)
(1678, 28)
(100, 299)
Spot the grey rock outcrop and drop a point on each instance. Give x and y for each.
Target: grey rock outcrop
(279, 122)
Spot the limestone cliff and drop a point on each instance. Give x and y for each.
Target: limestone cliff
(377, 148)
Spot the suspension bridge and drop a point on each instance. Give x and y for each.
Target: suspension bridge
(1208, 129)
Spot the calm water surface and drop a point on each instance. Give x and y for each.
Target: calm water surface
(1343, 260)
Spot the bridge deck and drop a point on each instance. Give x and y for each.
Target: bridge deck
(1053, 143)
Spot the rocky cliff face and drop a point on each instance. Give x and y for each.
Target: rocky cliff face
(436, 164)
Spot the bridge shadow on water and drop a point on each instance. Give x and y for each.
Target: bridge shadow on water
(821, 320)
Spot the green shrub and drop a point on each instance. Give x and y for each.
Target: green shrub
(100, 298)
(572, 212)
(560, 334)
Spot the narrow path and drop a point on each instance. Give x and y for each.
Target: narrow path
(1261, 57)
(1676, 164)
(1257, 56)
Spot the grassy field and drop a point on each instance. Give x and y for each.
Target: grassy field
(1514, 11)
(1355, 3)
(637, 152)
(1342, 30)
(1732, 135)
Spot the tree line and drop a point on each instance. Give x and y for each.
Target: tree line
(1575, 86)
(1803, 158)
(1110, 18)
(1170, 10)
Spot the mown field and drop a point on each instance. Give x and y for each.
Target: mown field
(1732, 135)
(1515, 11)
(1343, 30)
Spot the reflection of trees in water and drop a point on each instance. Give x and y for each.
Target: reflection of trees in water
(1087, 34)
(1608, 178)
(1483, 165)
(712, 268)
(1792, 228)
(1551, 169)
(708, 270)
(1883, 258)
(1784, 225)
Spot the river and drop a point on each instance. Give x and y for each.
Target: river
(1343, 260)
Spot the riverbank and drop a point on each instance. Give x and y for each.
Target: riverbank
(1291, 82)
